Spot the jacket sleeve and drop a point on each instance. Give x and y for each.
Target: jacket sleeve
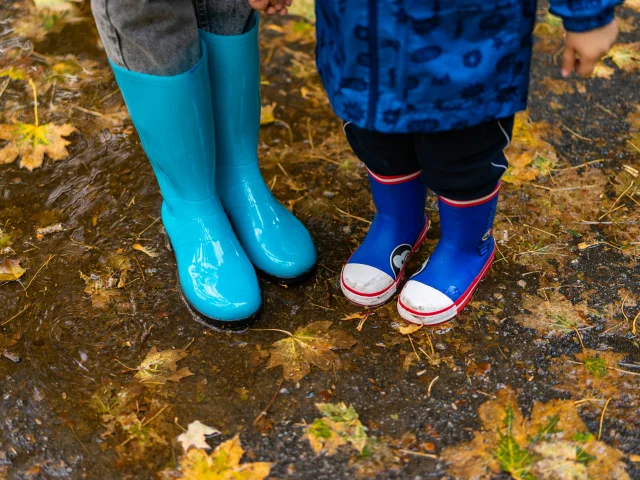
(584, 15)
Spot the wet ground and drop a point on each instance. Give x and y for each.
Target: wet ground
(555, 319)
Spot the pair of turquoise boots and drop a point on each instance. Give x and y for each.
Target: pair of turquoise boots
(200, 132)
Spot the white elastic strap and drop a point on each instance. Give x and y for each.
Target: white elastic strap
(344, 127)
(506, 136)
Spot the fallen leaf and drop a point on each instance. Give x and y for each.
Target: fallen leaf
(339, 425)
(146, 250)
(42, 231)
(160, 367)
(307, 346)
(555, 317)
(626, 56)
(32, 142)
(10, 270)
(633, 4)
(408, 329)
(558, 86)
(222, 464)
(553, 443)
(266, 114)
(530, 154)
(195, 436)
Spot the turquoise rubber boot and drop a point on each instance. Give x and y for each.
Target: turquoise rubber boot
(174, 120)
(277, 243)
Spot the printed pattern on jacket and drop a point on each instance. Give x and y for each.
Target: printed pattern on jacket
(402, 66)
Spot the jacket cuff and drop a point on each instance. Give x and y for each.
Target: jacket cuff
(590, 23)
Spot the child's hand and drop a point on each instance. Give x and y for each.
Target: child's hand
(583, 50)
(271, 6)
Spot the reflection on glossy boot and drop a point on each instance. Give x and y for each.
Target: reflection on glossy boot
(169, 114)
(276, 242)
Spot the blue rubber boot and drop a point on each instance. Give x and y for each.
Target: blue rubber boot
(277, 243)
(374, 271)
(446, 282)
(174, 120)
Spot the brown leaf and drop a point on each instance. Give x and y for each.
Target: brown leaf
(32, 142)
(160, 367)
(555, 317)
(307, 346)
(10, 270)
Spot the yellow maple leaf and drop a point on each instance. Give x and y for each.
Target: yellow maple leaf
(309, 345)
(222, 464)
(633, 4)
(602, 71)
(10, 270)
(340, 425)
(626, 56)
(266, 114)
(160, 367)
(32, 141)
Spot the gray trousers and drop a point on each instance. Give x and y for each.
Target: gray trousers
(160, 37)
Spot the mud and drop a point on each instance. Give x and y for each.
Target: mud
(106, 198)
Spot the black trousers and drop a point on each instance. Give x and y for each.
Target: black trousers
(463, 164)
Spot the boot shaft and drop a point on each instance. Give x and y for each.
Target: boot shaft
(174, 120)
(469, 224)
(401, 198)
(234, 68)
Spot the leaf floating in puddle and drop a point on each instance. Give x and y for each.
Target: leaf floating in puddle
(32, 142)
(309, 345)
(10, 270)
(222, 464)
(160, 367)
(195, 436)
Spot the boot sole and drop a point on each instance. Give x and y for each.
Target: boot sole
(284, 281)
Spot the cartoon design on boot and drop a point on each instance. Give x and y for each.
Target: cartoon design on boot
(170, 113)
(276, 242)
(447, 280)
(373, 272)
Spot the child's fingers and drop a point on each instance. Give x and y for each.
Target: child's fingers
(258, 4)
(585, 65)
(284, 11)
(568, 60)
(288, 3)
(271, 10)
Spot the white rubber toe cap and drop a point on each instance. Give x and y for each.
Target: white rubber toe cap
(422, 304)
(366, 285)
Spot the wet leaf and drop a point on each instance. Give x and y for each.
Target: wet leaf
(222, 464)
(626, 56)
(552, 444)
(603, 71)
(409, 329)
(32, 142)
(160, 367)
(10, 270)
(530, 154)
(195, 436)
(266, 114)
(340, 425)
(556, 317)
(146, 250)
(309, 345)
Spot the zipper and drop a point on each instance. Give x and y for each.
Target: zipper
(373, 66)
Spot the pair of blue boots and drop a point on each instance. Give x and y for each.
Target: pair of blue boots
(200, 132)
(447, 280)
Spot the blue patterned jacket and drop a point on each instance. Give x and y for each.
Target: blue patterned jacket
(429, 65)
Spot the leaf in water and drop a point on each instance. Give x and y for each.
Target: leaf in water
(146, 250)
(222, 464)
(626, 56)
(339, 426)
(10, 270)
(195, 436)
(309, 345)
(32, 142)
(70, 72)
(552, 444)
(160, 367)
(266, 114)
